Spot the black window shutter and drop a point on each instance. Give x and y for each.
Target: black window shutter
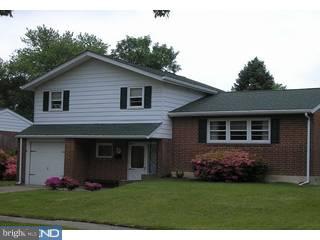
(66, 99)
(202, 130)
(123, 98)
(45, 104)
(275, 130)
(147, 96)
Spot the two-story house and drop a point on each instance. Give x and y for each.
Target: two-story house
(100, 118)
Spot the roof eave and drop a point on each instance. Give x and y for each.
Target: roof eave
(237, 113)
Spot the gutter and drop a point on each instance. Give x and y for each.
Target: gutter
(20, 162)
(308, 152)
(86, 136)
(230, 113)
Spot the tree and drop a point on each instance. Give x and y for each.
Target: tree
(161, 13)
(7, 13)
(141, 51)
(255, 76)
(45, 49)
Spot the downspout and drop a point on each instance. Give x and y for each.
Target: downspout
(20, 161)
(308, 152)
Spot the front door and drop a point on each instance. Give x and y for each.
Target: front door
(137, 160)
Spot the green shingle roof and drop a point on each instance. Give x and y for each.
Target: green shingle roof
(138, 130)
(267, 100)
(165, 74)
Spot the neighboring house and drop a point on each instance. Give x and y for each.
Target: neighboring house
(103, 119)
(10, 124)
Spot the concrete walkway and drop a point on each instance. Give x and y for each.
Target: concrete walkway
(68, 224)
(16, 188)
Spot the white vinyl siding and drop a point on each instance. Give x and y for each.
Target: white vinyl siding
(11, 123)
(256, 130)
(95, 98)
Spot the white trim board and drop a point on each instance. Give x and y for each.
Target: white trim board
(88, 55)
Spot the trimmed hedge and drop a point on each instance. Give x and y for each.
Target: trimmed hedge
(230, 166)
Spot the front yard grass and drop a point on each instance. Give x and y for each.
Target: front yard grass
(4, 183)
(177, 204)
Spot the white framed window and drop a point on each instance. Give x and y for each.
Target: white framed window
(56, 100)
(136, 97)
(218, 130)
(104, 150)
(255, 130)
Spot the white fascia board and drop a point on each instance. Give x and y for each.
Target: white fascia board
(85, 136)
(230, 113)
(86, 55)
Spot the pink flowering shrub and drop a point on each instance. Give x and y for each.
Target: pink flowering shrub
(8, 165)
(11, 168)
(90, 186)
(69, 183)
(235, 166)
(53, 182)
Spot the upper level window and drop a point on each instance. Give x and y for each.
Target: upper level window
(56, 101)
(135, 98)
(238, 131)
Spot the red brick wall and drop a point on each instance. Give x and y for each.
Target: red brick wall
(165, 154)
(315, 145)
(108, 168)
(286, 158)
(76, 159)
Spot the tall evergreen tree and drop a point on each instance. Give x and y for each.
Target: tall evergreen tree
(255, 76)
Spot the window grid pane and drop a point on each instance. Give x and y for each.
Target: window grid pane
(238, 130)
(56, 100)
(260, 130)
(135, 92)
(218, 130)
(105, 151)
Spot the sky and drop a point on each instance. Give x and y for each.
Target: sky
(213, 45)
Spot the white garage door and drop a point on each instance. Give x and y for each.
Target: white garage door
(46, 160)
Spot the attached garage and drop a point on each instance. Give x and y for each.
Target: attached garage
(44, 159)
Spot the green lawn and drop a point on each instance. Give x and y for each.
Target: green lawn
(177, 204)
(7, 183)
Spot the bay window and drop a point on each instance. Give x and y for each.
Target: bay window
(238, 131)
